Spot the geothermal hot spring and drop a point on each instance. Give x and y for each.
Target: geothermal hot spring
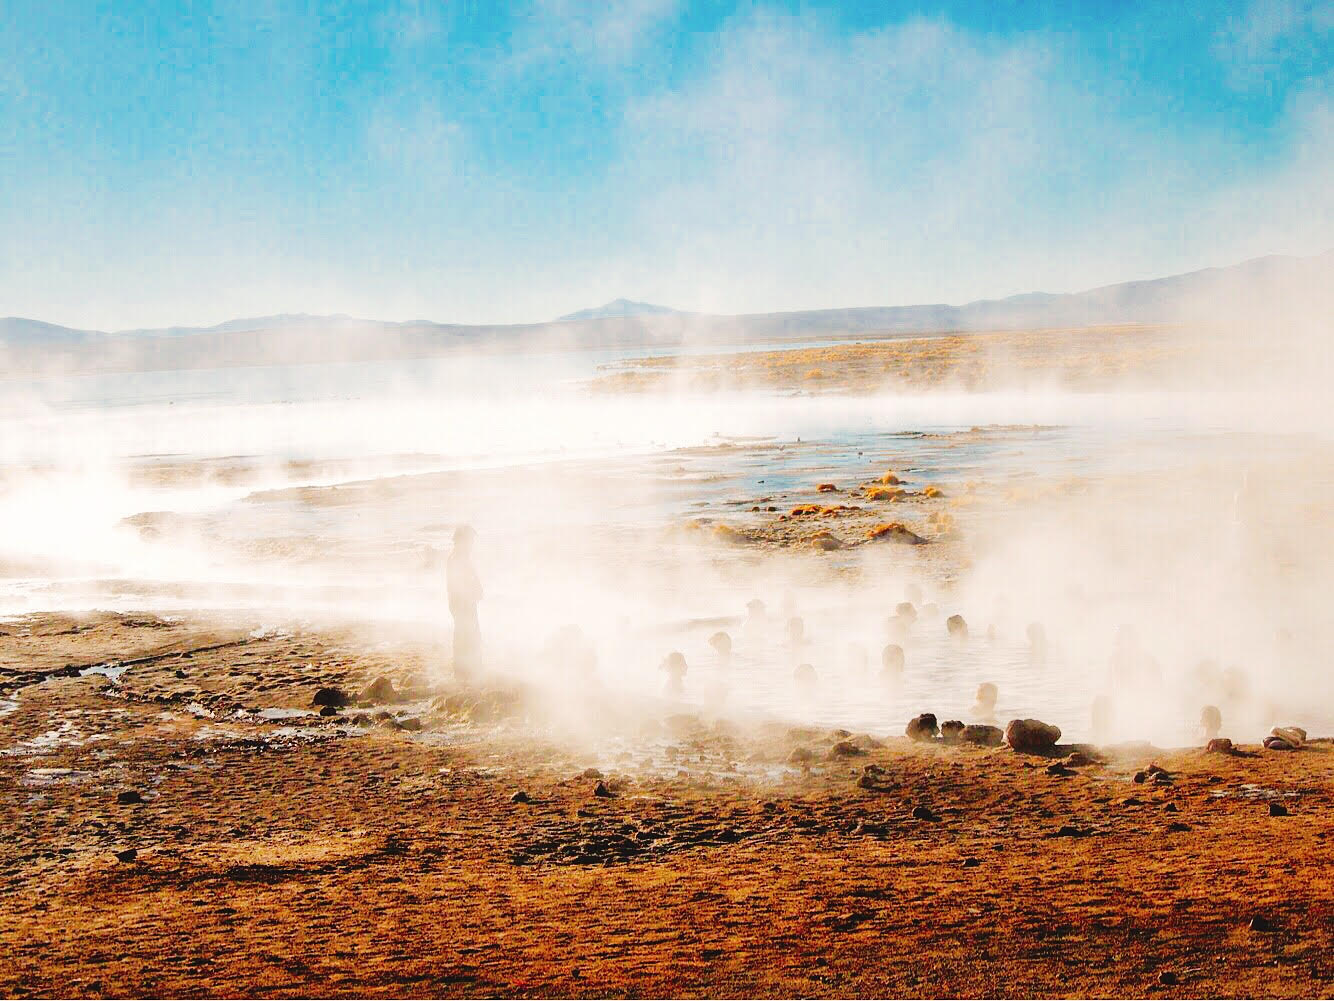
(1173, 546)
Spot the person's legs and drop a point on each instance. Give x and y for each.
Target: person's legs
(467, 639)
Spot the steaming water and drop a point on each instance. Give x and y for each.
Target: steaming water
(570, 492)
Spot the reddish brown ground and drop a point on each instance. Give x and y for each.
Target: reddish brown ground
(393, 863)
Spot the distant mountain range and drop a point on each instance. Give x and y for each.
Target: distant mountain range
(1256, 287)
(617, 307)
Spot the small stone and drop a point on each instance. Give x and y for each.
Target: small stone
(379, 691)
(1219, 745)
(982, 735)
(801, 756)
(180, 673)
(846, 749)
(601, 791)
(1168, 979)
(971, 863)
(1170, 808)
(1080, 759)
(922, 727)
(590, 773)
(328, 710)
(1060, 770)
(1071, 831)
(1178, 826)
(924, 813)
(521, 797)
(128, 855)
(335, 697)
(1140, 778)
(1031, 735)
(129, 796)
(1260, 923)
(410, 723)
(1277, 810)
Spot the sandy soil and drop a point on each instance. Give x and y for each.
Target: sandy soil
(356, 855)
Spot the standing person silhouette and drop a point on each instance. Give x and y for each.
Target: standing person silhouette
(465, 591)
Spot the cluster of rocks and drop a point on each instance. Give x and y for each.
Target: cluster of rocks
(1027, 735)
(1285, 738)
(608, 842)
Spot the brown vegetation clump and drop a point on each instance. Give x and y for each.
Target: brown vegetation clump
(933, 492)
(889, 479)
(825, 542)
(727, 533)
(893, 494)
(894, 531)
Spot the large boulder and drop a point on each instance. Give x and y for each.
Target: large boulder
(1031, 735)
(922, 727)
(951, 731)
(982, 735)
(334, 697)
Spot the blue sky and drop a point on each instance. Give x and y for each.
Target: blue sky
(477, 161)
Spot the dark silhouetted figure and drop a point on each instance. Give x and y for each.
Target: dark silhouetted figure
(985, 709)
(957, 627)
(891, 663)
(465, 591)
(1211, 722)
(675, 666)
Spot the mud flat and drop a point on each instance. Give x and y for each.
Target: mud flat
(181, 822)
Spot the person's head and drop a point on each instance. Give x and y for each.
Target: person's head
(721, 643)
(463, 538)
(906, 611)
(675, 662)
(891, 657)
(956, 626)
(755, 608)
(986, 694)
(1211, 720)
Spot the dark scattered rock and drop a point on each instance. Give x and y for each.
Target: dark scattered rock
(1140, 778)
(521, 797)
(601, 791)
(956, 626)
(590, 773)
(410, 723)
(1168, 979)
(129, 796)
(1058, 769)
(801, 756)
(1219, 745)
(1178, 826)
(128, 855)
(334, 697)
(1277, 810)
(1071, 831)
(922, 727)
(1261, 923)
(846, 749)
(329, 711)
(1031, 735)
(982, 735)
(180, 673)
(951, 730)
(379, 691)
(1170, 808)
(924, 813)
(876, 778)
(971, 863)
(1080, 759)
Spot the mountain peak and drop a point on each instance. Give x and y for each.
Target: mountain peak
(617, 307)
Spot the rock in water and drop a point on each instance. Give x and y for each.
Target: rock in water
(1032, 736)
(379, 691)
(982, 735)
(332, 697)
(951, 730)
(922, 727)
(956, 626)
